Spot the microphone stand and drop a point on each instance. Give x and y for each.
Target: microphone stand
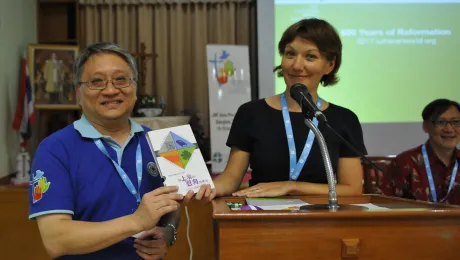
(316, 113)
(364, 158)
(333, 202)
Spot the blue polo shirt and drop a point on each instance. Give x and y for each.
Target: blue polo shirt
(70, 175)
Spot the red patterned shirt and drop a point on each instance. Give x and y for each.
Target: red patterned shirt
(409, 169)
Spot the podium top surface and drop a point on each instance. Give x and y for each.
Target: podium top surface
(381, 206)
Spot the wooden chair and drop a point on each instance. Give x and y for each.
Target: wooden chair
(372, 176)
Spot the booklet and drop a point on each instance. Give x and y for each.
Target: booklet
(178, 158)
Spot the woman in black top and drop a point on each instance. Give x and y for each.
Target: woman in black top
(283, 163)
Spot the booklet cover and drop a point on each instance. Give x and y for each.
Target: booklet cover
(178, 158)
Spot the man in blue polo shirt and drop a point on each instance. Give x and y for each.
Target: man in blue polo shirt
(93, 190)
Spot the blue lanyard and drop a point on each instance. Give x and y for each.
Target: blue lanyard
(295, 168)
(122, 172)
(430, 175)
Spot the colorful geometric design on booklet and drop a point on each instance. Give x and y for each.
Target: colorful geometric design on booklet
(177, 150)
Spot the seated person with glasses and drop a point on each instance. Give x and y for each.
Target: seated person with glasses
(430, 171)
(94, 191)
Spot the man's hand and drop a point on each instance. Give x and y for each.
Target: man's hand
(156, 204)
(187, 198)
(152, 249)
(205, 194)
(270, 189)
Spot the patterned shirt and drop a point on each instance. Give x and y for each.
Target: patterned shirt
(409, 169)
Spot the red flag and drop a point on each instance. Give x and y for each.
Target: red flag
(25, 110)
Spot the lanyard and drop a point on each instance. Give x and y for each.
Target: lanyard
(430, 175)
(295, 168)
(123, 174)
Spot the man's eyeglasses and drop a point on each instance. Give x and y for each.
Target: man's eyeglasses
(100, 84)
(443, 123)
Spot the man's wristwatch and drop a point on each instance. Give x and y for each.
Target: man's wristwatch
(173, 241)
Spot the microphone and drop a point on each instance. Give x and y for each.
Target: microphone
(300, 94)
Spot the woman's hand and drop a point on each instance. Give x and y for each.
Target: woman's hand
(270, 189)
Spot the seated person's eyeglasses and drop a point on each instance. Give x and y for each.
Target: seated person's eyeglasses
(442, 122)
(100, 84)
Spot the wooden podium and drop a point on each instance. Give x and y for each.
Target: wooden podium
(20, 238)
(406, 230)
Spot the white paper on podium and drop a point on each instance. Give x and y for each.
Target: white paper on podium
(371, 206)
(276, 203)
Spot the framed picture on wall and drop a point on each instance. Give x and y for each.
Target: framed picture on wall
(50, 69)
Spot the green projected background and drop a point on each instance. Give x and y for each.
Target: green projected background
(396, 57)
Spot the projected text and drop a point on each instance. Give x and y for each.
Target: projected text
(396, 36)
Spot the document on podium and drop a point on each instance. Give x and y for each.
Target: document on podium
(276, 203)
(293, 204)
(371, 207)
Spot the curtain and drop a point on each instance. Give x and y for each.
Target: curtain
(176, 32)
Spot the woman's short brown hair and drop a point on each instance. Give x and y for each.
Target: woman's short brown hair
(324, 35)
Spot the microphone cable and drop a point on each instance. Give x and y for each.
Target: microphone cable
(373, 164)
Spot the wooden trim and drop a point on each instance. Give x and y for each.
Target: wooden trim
(37, 18)
(372, 176)
(57, 1)
(77, 24)
(58, 107)
(399, 208)
(6, 180)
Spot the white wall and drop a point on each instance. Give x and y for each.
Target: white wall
(266, 47)
(17, 29)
